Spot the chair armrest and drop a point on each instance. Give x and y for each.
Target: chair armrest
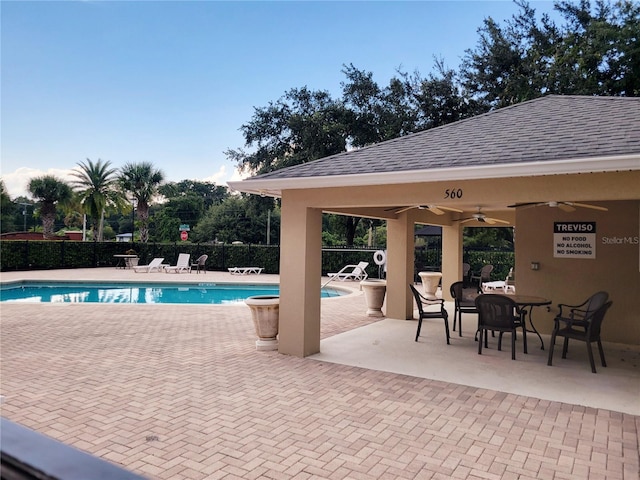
(430, 301)
(570, 307)
(576, 312)
(570, 322)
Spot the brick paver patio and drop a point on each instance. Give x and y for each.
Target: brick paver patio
(176, 392)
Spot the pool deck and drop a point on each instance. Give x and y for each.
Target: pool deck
(180, 392)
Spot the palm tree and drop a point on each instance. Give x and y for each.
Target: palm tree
(49, 191)
(96, 184)
(142, 181)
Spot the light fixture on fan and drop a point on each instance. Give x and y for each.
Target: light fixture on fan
(437, 209)
(482, 218)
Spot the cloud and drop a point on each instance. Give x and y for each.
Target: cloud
(16, 182)
(221, 177)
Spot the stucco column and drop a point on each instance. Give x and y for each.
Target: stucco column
(400, 266)
(451, 257)
(300, 277)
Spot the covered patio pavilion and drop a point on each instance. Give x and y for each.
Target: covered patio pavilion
(554, 162)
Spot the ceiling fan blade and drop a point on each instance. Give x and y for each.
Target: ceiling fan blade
(586, 205)
(465, 220)
(407, 208)
(450, 209)
(526, 205)
(434, 209)
(566, 207)
(490, 221)
(493, 221)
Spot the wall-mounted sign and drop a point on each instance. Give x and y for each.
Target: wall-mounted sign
(574, 239)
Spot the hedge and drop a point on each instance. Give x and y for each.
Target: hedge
(18, 255)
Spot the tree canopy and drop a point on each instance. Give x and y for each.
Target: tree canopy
(50, 191)
(594, 51)
(141, 180)
(588, 48)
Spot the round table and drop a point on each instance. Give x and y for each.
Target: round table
(525, 304)
(122, 260)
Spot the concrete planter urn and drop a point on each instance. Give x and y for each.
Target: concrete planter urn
(374, 292)
(265, 312)
(430, 282)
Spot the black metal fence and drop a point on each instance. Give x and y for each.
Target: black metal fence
(18, 255)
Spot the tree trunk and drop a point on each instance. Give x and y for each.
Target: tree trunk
(48, 221)
(351, 223)
(143, 221)
(48, 214)
(101, 227)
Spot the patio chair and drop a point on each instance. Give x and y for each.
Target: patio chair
(466, 271)
(483, 276)
(582, 324)
(423, 303)
(464, 297)
(351, 272)
(181, 266)
(155, 264)
(199, 265)
(501, 314)
(571, 313)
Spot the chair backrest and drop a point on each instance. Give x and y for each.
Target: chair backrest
(418, 298)
(596, 301)
(361, 267)
(183, 260)
(485, 272)
(456, 291)
(155, 262)
(465, 270)
(595, 320)
(463, 292)
(496, 311)
(423, 301)
(201, 259)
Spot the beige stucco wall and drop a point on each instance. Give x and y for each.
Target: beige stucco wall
(616, 268)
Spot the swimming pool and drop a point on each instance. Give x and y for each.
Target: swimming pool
(142, 293)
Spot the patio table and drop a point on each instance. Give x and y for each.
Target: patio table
(525, 304)
(124, 260)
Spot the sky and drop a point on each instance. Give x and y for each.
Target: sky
(172, 82)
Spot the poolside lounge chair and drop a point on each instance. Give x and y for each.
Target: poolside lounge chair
(182, 265)
(245, 270)
(351, 272)
(155, 264)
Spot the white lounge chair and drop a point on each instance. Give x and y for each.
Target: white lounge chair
(182, 265)
(155, 264)
(245, 270)
(351, 272)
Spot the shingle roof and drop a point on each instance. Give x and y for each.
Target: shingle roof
(545, 129)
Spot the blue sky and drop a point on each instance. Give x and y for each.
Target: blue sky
(173, 82)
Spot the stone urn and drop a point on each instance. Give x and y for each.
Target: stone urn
(374, 292)
(430, 282)
(265, 312)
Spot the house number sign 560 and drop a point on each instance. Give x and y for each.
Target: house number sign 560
(453, 193)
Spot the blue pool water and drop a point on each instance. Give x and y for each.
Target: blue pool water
(104, 292)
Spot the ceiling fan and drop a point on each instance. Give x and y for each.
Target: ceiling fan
(482, 218)
(565, 206)
(437, 209)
